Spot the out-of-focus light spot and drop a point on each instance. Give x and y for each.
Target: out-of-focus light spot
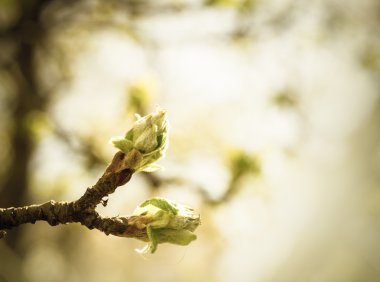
(115, 60)
(209, 173)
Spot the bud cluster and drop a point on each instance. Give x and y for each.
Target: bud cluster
(145, 142)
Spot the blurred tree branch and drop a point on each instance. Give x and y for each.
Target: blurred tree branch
(22, 35)
(241, 164)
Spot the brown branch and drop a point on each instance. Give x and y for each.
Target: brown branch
(82, 210)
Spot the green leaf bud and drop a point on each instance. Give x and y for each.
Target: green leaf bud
(165, 222)
(145, 142)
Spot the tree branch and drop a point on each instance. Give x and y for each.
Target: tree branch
(156, 220)
(82, 210)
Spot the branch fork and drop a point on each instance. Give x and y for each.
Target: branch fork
(82, 210)
(155, 221)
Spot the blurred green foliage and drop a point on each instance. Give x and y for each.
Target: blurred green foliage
(139, 98)
(242, 163)
(241, 5)
(370, 59)
(285, 98)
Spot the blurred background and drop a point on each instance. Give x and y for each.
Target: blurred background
(275, 138)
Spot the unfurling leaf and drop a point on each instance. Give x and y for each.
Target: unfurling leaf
(145, 142)
(165, 222)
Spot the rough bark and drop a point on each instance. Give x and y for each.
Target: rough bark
(82, 210)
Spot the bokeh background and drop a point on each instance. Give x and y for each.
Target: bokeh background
(275, 134)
